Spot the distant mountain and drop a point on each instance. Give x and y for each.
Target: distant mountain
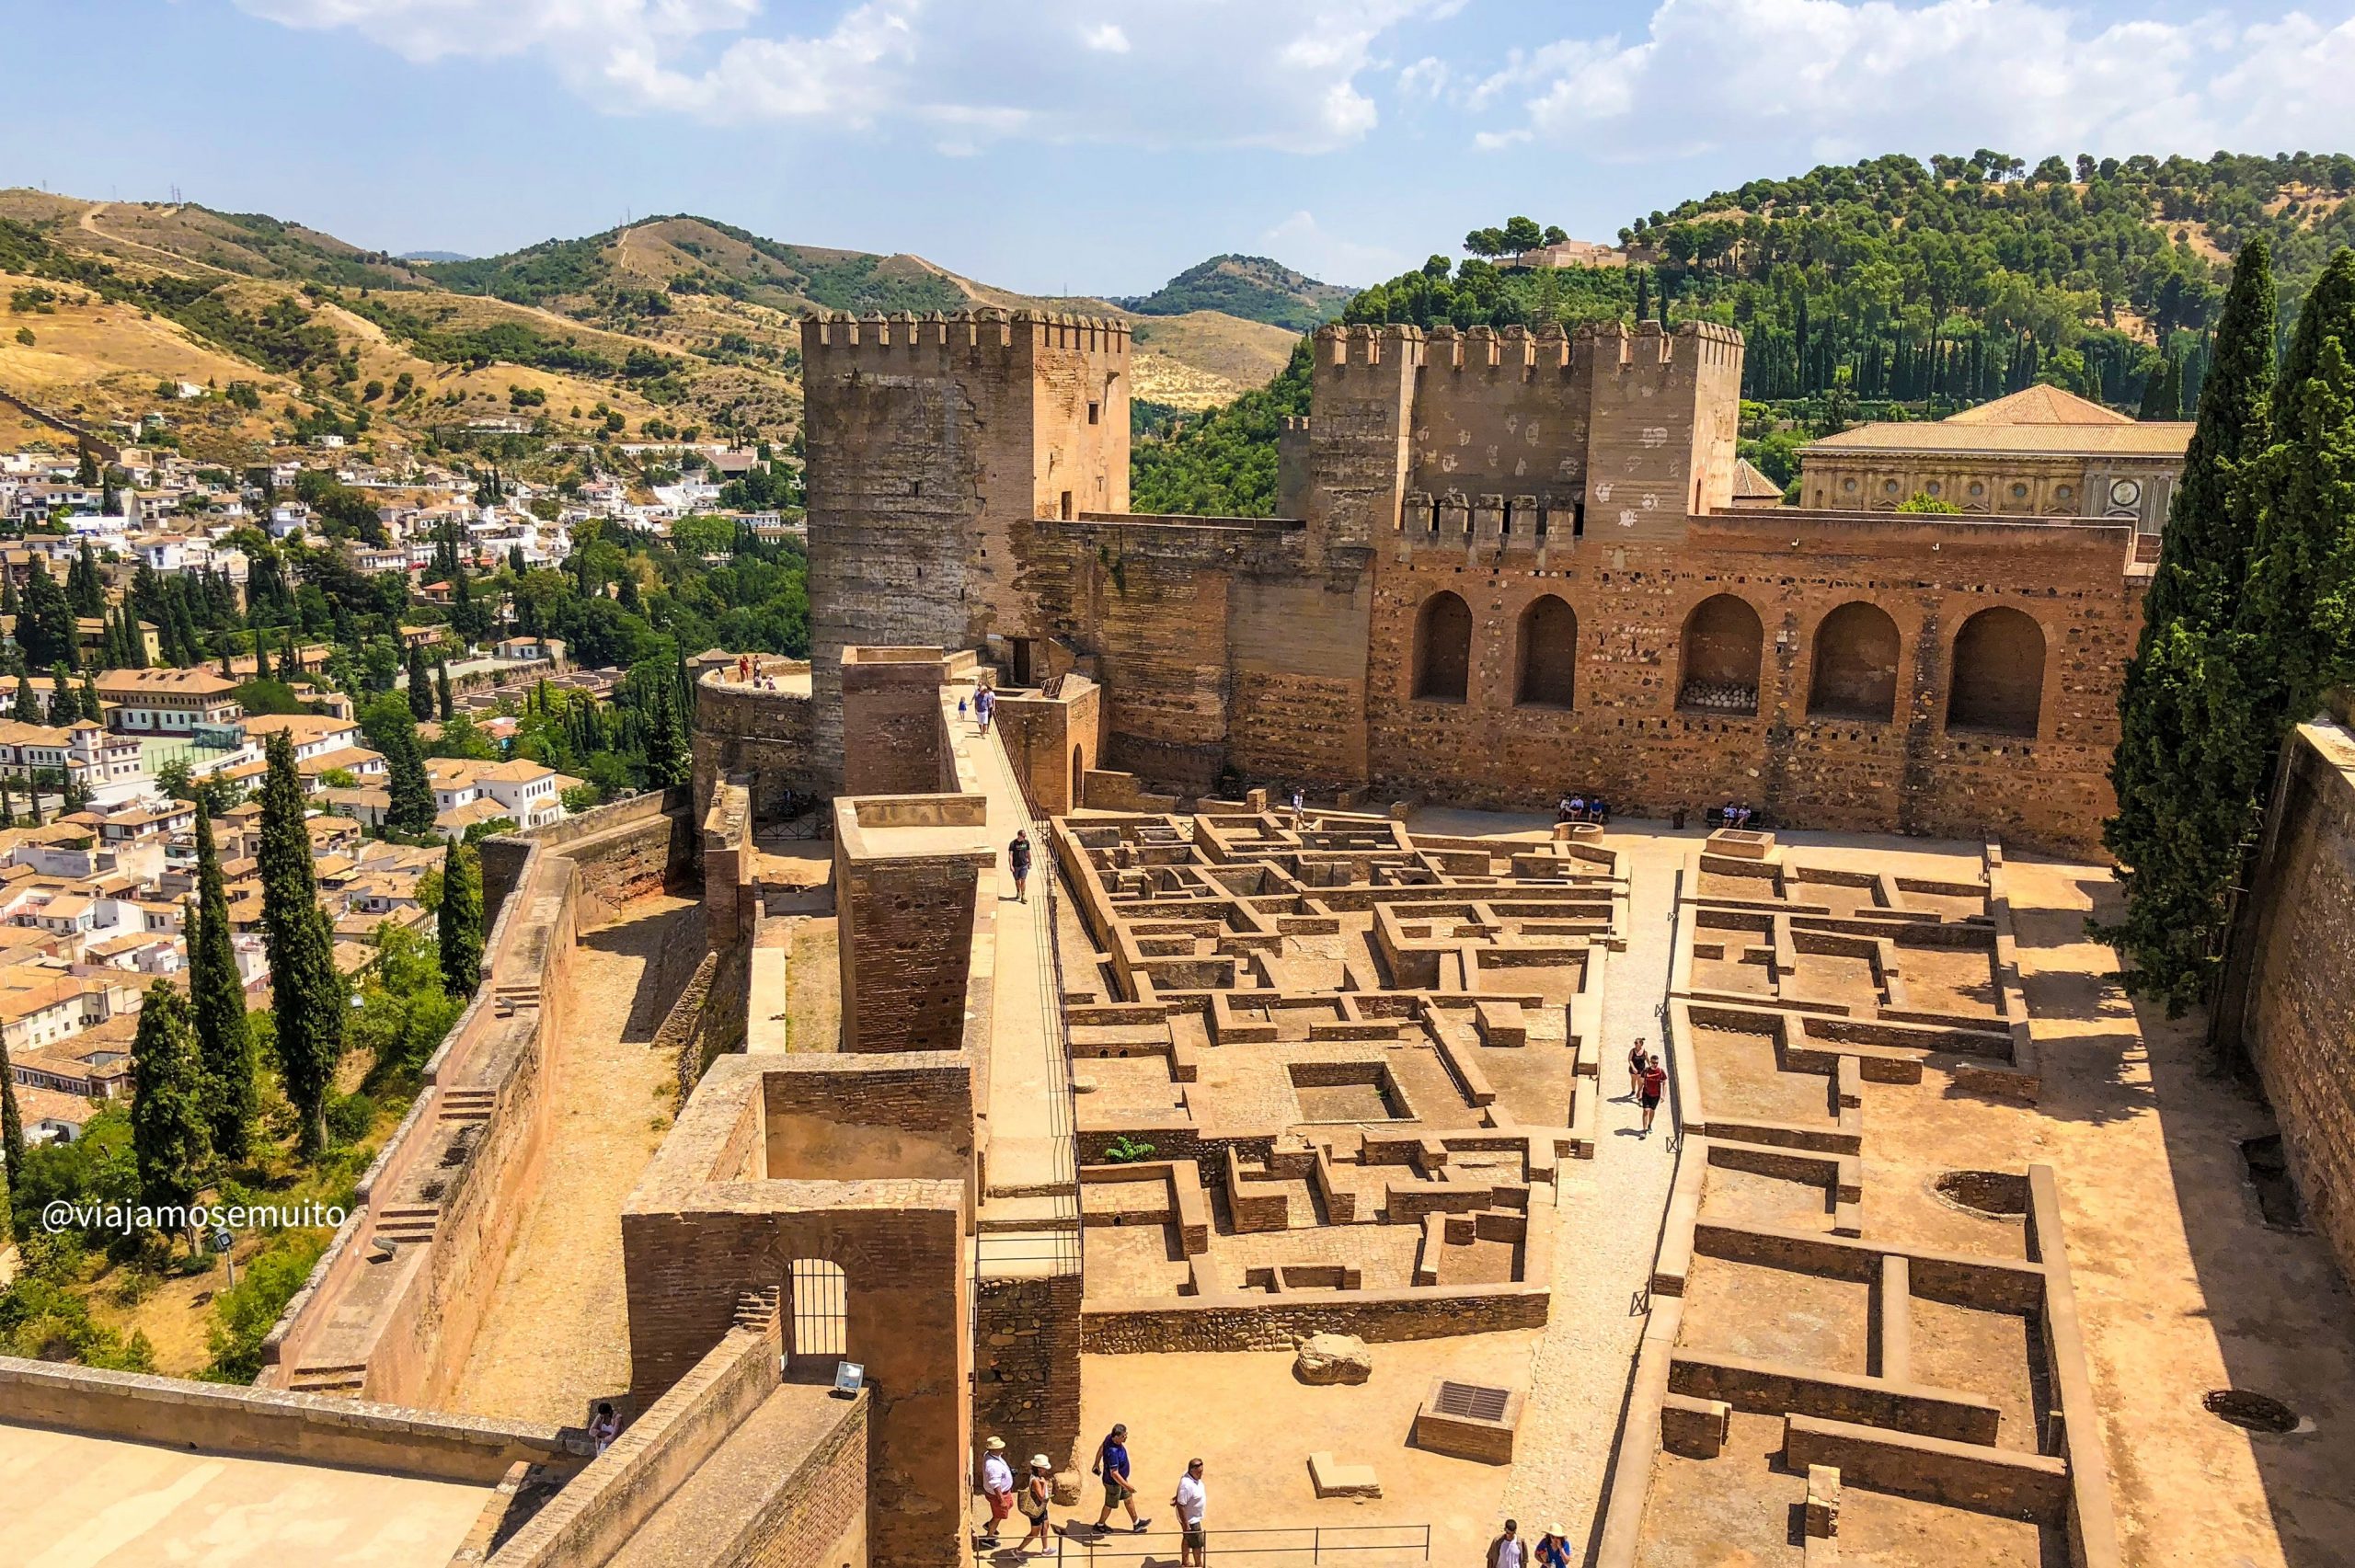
(1252, 287)
(432, 256)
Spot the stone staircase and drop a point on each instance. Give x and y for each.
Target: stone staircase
(468, 1105)
(406, 1224)
(343, 1381)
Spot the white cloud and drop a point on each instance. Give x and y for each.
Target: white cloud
(1280, 74)
(1303, 245)
(1836, 80)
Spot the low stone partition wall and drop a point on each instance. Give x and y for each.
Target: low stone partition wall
(272, 1424)
(623, 851)
(1956, 1475)
(1239, 1321)
(603, 1506)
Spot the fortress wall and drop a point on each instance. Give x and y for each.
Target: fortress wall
(2300, 1010)
(1217, 644)
(1624, 735)
(1504, 412)
(765, 735)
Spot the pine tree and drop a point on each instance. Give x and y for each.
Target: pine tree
(420, 687)
(442, 698)
(458, 920)
(169, 1137)
(412, 805)
(307, 994)
(2181, 805)
(217, 994)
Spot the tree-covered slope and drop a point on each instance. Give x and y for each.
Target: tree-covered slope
(1959, 279)
(1251, 287)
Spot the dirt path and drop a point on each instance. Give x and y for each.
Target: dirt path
(557, 1335)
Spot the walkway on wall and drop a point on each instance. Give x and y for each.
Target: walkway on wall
(1029, 1218)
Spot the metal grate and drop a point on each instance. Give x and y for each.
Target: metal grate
(821, 1317)
(1473, 1401)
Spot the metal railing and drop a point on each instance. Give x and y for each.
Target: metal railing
(1359, 1546)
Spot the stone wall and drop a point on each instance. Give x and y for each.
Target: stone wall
(892, 742)
(1025, 1364)
(1277, 1323)
(2300, 1014)
(271, 1423)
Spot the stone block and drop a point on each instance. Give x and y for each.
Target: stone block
(1823, 1501)
(1333, 1358)
(1333, 1478)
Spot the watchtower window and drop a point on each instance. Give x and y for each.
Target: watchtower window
(817, 1311)
(1093, 411)
(1065, 511)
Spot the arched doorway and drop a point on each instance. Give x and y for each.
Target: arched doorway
(1998, 673)
(1443, 649)
(1855, 665)
(1547, 655)
(1723, 642)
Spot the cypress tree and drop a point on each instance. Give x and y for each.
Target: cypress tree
(168, 1137)
(45, 626)
(290, 663)
(84, 585)
(12, 1140)
(307, 994)
(442, 698)
(2162, 393)
(2181, 805)
(420, 686)
(218, 996)
(412, 805)
(64, 703)
(9, 603)
(92, 709)
(458, 922)
(7, 810)
(134, 640)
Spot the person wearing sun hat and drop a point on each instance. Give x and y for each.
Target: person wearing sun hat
(1037, 1490)
(1552, 1549)
(997, 1486)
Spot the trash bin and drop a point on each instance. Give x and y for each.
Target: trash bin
(1676, 820)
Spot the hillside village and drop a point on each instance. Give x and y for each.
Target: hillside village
(103, 767)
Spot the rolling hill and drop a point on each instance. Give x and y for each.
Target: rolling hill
(663, 326)
(1251, 287)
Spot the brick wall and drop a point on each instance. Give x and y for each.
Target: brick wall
(1277, 1323)
(818, 1516)
(892, 742)
(762, 734)
(1624, 735)
(2300, 1013)
(905, 951)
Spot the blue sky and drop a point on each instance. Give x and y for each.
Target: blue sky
(1099, 146)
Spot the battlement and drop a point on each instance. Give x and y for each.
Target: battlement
(1361, 344)
(836, 341)
(1688, 344)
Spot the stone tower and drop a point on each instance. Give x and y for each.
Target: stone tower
(934, 443)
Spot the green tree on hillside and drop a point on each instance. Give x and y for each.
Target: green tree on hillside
(420, 686)
(307, 991)
(45, 626)
(458, 922)
(84, 586)
(168, 1132)
(12, 1143)
(2163, 395)
(217, 994)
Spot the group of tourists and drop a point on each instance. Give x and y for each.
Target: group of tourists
(1551, 1550)
(1735, 816)
(1582, 808)
(1035, 1491)
(983, 704)
(1646, 1081)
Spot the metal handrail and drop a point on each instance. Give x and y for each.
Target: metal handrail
(1112, 1548)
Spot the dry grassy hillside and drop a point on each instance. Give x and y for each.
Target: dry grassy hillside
(669, 325)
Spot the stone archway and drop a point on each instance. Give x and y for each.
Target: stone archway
(1443, 649)
(1546, 662)
(1854, 675)
(1997, 673)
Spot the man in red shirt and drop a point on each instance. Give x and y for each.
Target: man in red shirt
(1651, 1086)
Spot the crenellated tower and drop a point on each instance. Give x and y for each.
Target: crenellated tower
(934, 443)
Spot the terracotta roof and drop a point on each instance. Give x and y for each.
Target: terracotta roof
(2040, 405)
(1750, 484)
(2161, 439)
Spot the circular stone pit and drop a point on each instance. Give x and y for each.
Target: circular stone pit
(1990, 1195)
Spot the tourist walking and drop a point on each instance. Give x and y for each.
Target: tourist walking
(1037, 1490)
(1552, 1549)
(1653, 1083)
(997, 1487)
(1112, 1465)
(1017, 856)
(1508, 1551)
(1636, 1057)
(984, 704)
(1190, 1502)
